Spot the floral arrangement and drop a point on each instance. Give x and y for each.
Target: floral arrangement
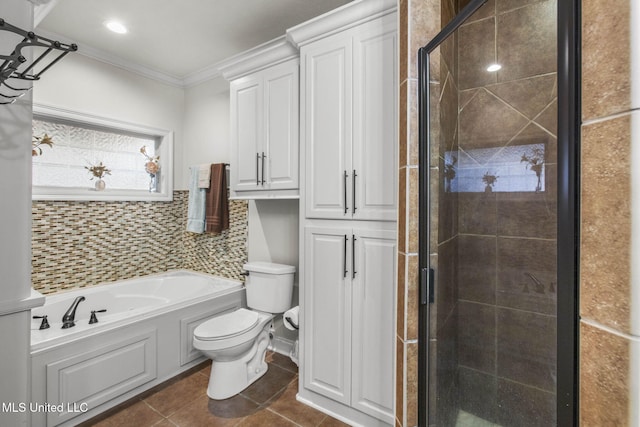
(449, 173)
(98, 171)
(450, 169)
(37, 141)
(535, 162)
(152, 166)
(489, 179)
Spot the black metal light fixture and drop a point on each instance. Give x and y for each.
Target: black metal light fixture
(16, 66)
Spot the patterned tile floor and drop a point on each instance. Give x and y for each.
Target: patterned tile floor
(182, 401)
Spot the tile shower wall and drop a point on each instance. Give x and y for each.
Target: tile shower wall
(419, 21)
(78, 244)
(608, 338)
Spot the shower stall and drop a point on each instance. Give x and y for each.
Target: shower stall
(498, 211)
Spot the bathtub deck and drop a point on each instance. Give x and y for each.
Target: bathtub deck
(182, 401)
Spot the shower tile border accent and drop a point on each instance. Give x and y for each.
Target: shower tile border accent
(80, 244)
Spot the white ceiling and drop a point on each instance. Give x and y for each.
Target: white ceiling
(177, 38)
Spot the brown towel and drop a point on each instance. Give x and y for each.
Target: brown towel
(217, 205)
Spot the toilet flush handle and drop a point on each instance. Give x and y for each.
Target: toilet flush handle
(244, 273)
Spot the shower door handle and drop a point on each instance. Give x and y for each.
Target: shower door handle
(427, 279)
(263, 157)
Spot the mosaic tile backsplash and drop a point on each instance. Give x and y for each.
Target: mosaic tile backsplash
(79, 244)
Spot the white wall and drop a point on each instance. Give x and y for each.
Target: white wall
(85, 85)
(206, 125)
(273, 237)
(273, 231)
(15, 232)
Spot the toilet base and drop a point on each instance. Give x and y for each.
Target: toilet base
(229, 378)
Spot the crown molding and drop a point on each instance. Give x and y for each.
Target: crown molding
(192, 79)
(340, 19)
(201, 76)
(110, 59)
(267, 54)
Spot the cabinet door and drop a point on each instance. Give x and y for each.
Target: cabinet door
(375, 135)
(374, 322)
(246, 131)
(327, 128)
(327, 312)
(281, 126)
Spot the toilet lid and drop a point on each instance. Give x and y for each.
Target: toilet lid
(227, 325)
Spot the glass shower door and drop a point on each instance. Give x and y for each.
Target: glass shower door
(489, 234)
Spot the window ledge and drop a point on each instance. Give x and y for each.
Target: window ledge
(89, 195)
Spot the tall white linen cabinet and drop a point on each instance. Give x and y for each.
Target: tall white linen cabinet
(348, 210)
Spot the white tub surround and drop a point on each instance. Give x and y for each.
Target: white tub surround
(144, 338)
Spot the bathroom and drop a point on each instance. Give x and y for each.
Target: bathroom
(201, 113)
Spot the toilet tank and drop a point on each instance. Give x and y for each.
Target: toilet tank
(269, 286)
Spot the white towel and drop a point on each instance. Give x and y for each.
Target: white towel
(290, 318)
(204, 176)
(196, 207)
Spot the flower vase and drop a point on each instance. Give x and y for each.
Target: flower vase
(153, 182)
(100, 185)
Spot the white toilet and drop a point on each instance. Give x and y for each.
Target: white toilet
(236, 342)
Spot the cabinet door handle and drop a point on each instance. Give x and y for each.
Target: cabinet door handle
(257, 169)
(344, 258)
(263, 157)
(346, 208)
(353, 193)
(353, 256)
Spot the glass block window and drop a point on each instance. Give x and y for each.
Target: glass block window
(76, 148)
(80, 141)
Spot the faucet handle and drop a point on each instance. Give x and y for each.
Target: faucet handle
(45, 322)
(94, 318)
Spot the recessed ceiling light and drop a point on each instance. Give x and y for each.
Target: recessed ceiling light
(116, 27)
(493, 68)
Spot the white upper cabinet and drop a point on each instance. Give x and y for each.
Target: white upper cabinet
(246, 131)
(264, 123)
(281, 108)
(327, 118)
(375, 118)
(349, 123)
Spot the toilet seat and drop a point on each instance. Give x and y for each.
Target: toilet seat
(227, 326)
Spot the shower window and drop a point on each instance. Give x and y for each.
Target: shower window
(61, 171)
